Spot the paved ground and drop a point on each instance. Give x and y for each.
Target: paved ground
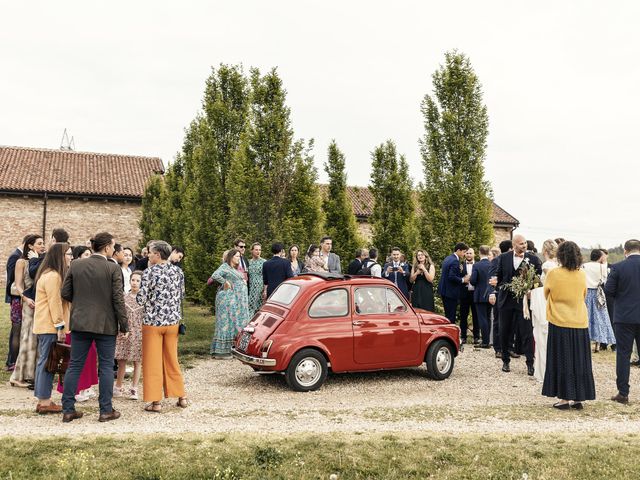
(228, 396)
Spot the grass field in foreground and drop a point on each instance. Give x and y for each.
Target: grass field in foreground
(236, 456)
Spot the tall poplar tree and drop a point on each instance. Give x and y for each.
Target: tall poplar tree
(455, 200)
(273, 195)
(210, 144)
(393, 219)
(153, 222)
(340, 220)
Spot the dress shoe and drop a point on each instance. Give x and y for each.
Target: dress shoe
(620, 398)
(106, 417)
(485, 345)
(69, 417)
(513, 354)
(562, 406)
(577, 405)
(636, 363)
(498, 354)
(530, 370)
(51, 408)
(476, 341)
(505, 367)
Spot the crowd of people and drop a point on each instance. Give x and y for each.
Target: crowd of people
(109, 309)
(114, 307)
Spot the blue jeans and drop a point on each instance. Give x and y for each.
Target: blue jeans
(44, 380)
(80, 344)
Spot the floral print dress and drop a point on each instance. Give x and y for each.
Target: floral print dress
(232, 309)
(256, 286)
(130, 348)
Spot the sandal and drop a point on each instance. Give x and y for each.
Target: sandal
(153, 407)
(183, 402)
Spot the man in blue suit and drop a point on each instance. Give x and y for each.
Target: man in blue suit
(480, 276)
(623, 285)
(275, 270)
(451, 281)
(398, 272)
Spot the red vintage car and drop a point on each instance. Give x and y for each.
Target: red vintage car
(316, 322)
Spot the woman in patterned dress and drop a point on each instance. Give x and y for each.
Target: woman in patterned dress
(25, 368)
(600, 329)
(129, 347)
(256, 285)
(161, 293)
(232, 306)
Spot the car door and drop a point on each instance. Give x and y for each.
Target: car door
(385, 329)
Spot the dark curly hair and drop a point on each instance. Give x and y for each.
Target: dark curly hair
(569, 255)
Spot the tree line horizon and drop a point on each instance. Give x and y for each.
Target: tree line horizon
(242, 173)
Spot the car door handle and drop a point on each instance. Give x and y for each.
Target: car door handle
(357, 322)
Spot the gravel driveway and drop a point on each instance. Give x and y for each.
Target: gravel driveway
(227, 396)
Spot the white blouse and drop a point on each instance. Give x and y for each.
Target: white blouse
(595, 272)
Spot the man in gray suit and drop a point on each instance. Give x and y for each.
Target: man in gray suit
(333, 260)
(94, 286)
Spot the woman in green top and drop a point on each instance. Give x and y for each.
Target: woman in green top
(256, 286)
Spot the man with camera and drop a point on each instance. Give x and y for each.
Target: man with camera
(397, 271)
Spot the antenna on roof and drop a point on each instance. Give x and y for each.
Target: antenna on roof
(65, 143)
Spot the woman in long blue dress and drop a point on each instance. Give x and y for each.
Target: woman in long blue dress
(232, 305)
(256, 285)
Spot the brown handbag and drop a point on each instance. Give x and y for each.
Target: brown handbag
(58, 360)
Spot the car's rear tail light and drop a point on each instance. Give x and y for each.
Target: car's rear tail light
(265, 348)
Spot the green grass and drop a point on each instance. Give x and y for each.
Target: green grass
(388, 456)
(195, 344)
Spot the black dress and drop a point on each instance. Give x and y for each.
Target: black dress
(422, 293)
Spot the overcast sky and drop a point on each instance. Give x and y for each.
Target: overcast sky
(561, 81)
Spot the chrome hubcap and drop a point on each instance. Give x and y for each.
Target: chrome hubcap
(443, 360)
(308, 371)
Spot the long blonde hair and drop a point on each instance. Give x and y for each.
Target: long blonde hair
(427, 259)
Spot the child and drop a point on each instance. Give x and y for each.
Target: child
(130, 347)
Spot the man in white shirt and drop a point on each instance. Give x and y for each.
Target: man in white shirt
(466, 301)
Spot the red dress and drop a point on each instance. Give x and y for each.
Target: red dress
(89, 375)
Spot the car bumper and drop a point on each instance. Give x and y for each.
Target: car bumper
(248, 359)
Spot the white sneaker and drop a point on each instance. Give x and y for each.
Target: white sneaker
(133, 394)
(82, 397)
(118, 391)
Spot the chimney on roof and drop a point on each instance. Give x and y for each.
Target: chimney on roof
(66, 143)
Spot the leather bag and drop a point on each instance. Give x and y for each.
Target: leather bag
(58, 360)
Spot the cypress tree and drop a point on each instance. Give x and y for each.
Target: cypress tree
(455, 200)
(393, 219)
(340, 220)
(152, 222)
(210, 144)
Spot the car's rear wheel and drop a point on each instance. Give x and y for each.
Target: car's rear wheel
(307, 370)
(440, 359)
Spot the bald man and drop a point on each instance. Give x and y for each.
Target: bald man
(512, 320)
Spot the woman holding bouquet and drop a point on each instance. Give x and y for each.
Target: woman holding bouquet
(568, 376)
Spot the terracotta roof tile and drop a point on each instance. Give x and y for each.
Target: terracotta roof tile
(75, 173)
(362, 202)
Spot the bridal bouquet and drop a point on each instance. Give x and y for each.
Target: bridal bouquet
(521, 284)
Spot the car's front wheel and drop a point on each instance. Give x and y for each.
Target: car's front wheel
(440, 359)
(307, 370)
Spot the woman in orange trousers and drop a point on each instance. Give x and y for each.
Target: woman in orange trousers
(161, 296)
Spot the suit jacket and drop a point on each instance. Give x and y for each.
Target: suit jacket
(401, 280)
(623, 285)
(333, 263)
(354, 266)
(11, 273)
(504, 271)
(480, 280)
(94, 287)
(275, 271)
(451, 276)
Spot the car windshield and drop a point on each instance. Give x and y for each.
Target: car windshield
(284, 294)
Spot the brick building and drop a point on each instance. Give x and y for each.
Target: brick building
(503, 223)
(81, 192)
